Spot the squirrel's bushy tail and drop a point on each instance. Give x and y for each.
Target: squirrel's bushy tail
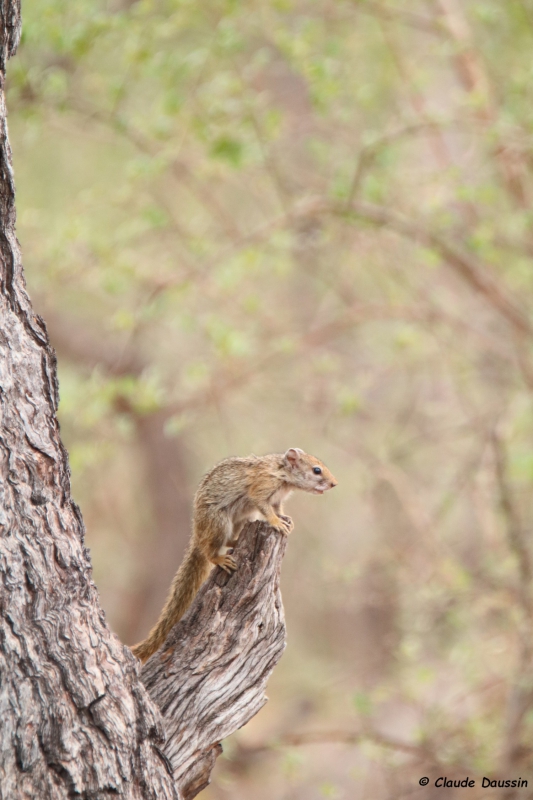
(192, 572)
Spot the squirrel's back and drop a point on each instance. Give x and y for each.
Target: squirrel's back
(231, 479)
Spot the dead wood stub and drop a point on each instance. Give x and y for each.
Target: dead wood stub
(209, 677)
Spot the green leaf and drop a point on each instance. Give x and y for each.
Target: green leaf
(228, 149)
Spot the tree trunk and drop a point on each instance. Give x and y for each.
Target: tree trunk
(209, 677)
(76, 719)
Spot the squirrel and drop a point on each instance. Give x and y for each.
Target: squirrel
(234, 492)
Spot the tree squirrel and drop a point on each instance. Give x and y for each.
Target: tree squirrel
(235, 491)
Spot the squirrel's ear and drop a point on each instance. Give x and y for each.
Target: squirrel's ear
(293, 455)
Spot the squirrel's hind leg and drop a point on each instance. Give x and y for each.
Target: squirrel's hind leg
(225, 561)
(237, 530)
(216, 544)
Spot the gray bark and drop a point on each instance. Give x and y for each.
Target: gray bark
(76, 719)
(209, 677)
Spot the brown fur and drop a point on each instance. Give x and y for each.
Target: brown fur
(233, 492)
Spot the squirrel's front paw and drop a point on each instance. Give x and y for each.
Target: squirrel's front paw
(284, 524)
(287, 521)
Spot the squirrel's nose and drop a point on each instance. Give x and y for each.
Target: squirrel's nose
(333, 483)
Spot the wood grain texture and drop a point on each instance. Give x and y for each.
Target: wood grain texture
(209, 677)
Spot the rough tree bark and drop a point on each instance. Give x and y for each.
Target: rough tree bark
(76, 718)
(209, 677)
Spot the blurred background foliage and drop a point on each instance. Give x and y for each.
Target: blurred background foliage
(255, 225)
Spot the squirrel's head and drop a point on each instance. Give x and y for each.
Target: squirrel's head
(307, 472)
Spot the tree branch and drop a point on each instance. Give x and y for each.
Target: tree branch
(412, 19)
(209, 677)
(479, 276)
(520, 696)
(515, 533)
(475, 79)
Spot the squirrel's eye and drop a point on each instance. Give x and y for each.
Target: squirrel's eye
(317, 470)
